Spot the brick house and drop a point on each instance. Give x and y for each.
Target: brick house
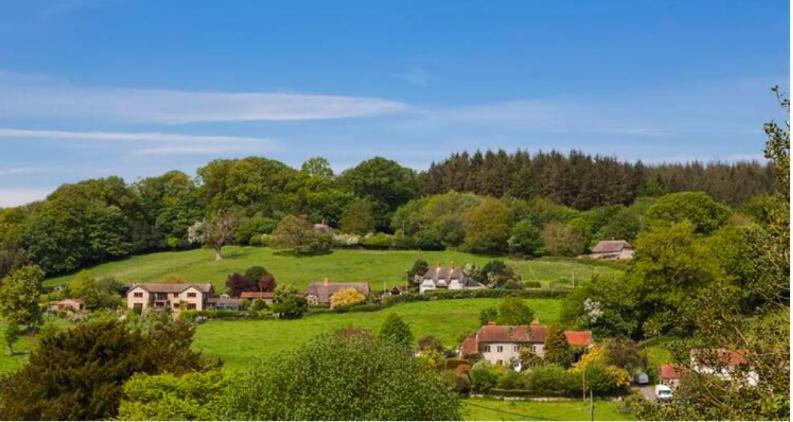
(172, 296)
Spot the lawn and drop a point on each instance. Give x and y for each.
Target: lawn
(380, 268)
(479, 409)
(238, 342)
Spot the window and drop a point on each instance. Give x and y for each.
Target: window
(487, 349)
(534, 349)
(499, 348)
(515, 348)
(191, 306)
(191, 294)
(176, 305)
(138, 294)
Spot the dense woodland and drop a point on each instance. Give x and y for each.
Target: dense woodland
(98, 220)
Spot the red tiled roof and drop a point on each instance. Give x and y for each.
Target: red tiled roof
(469, 346)
(503, 334)
(727, 357)
(538, 332)
(256, 295)
(668, 372)
(578, 338)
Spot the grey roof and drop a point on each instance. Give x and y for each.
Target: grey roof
(442, 276)
(323, 291)
(173, 287)
(607, 246)
(225, 301)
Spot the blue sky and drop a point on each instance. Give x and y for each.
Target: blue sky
(90, 88)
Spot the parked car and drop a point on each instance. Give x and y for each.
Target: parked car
(641, 378)
(663, 392)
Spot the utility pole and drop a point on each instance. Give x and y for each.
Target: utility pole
(574, 279)
(583, 384)
(591, 405)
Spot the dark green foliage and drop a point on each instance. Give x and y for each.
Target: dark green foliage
(487, 226)
(383, 182)
(288, 302)
(526, 238)
(557, 350)
(606, 305)
(11, 336)
(350, 376)
(496, 274)
(484, 377)
(96, 293)
(417, 271)
(78, 374)
(514, 311)
(563, 239)
(394, 329)
(253, 227)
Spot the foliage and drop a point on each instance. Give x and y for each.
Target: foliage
(331, 378)
(77, 374)
(704, 214)
(526, 238)
(190, 396)
(394, 329)
(253, 227)
(346, 297)
(436, 219)
(256, 279)
(487, 226)
(19, 297)
(484, 376)
(557, 350)
(10, 336)
(416, 272)
(563, 239)
(605, 305)
(288, 302)
(488, 315)
(298, 235)
(514, 311)
(104, 292)
(496, 274)
(358, 218)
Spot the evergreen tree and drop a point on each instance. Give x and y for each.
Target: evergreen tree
(396, 330)
(557, 350)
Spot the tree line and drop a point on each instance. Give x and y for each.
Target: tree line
(97, 220)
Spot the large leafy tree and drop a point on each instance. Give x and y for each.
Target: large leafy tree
(526, 238)
(298, 235)
(190, 396)
(557, 350)
(358, 218)
(345, 376)
(78, 374)
(705, 214)
(19, 297)
(384, 182)
(487, 226)
(288, 303)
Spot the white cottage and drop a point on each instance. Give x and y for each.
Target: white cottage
(447, 278)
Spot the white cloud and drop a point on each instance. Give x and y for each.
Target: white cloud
(11, 197)
(37, 97)
(11, 133)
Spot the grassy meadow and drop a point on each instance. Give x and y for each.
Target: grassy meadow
(480, 409)
(238, 342)
(380, 268)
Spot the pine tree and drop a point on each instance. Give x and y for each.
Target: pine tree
(557, 350)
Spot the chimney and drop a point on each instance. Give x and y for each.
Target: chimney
(325, 282)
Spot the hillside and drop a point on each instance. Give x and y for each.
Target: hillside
(238, 342)
(380, 268)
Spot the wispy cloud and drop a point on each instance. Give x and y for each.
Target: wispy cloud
(416, 76)
(152, 143)
(24, 96)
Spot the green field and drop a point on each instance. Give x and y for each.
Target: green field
(380, 268)
(238, 342)
(478, 409)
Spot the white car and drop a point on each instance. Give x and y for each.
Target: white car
(663, 392)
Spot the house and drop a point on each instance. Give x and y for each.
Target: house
(224, 303)
(447, 278)
(397, 291)
(68, 304)
(612, 249)
(323, 228)
(267, 297)
(723, 363)
(320, 293)
(669, 375)
(172, 296)
(502, 344)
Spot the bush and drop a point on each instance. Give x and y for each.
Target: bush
(377, 241)
(199, 316)
(346, 298)
(510, 380)
(532, 284)
(550, 381)
(344, 240)
(484, 376)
